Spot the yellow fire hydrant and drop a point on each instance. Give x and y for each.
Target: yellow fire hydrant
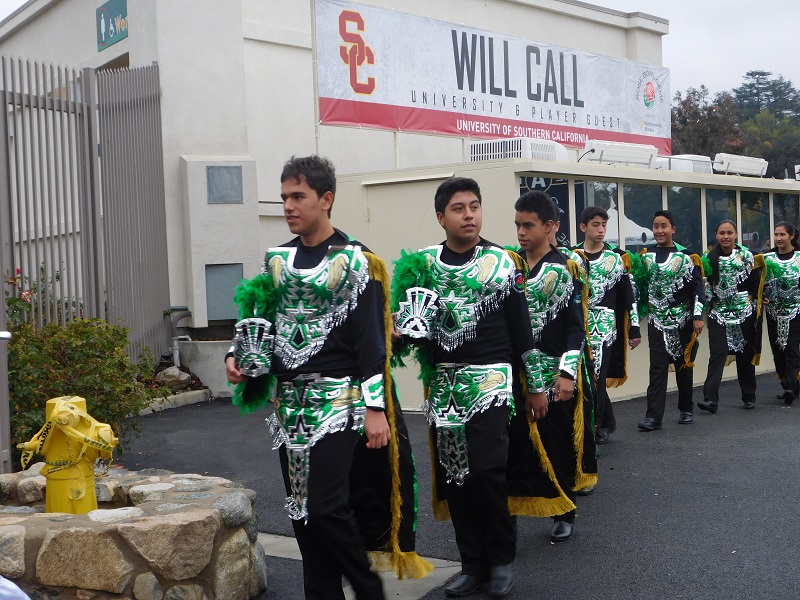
(70, 441)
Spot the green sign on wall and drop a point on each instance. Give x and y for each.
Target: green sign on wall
(111, 23)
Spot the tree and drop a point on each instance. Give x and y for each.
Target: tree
(704, 126)
(774, 139)
(761, 91)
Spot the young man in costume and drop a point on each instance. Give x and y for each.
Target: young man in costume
(555, 294)
(462, 304)
(613, 318)
(327, 360)
(672, 294)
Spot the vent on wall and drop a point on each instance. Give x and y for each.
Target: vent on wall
(517, 148)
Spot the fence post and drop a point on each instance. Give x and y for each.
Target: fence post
(6, 258)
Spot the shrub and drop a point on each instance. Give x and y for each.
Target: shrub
(83, 358)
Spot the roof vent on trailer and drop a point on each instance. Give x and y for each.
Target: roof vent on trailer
(532, 148)
(619, 153)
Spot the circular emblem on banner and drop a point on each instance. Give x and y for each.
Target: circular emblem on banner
(649, 95)
(648, 90)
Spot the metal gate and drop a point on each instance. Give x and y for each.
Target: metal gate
(82, 218)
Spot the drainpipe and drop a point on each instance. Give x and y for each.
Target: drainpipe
(178, 313)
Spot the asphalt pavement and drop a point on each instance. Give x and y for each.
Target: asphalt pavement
(705, 511)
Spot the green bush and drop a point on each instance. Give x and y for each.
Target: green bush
(83, 358)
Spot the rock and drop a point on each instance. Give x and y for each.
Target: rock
(258, 574)
(31, 489)
(82, 558)
(115, 515)
(8, 486)
(43, 593)
(155, 473)
(146, 587)
(150, 491)
(177, 546)
(169, 506)
(12, 551)
(34, 470)
(173, 378)
(103, 491)
(232, 573)
(23, 510)
(11, 521)
(235, 508)
(185, 592)
(84, 594)
(251, 527)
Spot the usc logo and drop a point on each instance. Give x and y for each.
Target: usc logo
(357, 53)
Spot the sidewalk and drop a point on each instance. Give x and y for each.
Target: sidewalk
(702, 511)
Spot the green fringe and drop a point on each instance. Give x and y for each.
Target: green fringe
(706, 265)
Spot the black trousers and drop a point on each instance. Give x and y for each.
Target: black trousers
(605, 412)
(486, 533)
(787, 360)
(329, 540)
(660, 360)
(745, 369)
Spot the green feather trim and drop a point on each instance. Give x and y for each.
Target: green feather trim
(256, 297)
(640, 279)
(706, 265)
(410, 270)
(252, 394)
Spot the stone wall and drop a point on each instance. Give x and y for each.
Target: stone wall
(156, 536)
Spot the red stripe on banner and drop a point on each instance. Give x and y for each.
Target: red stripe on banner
(426, 120)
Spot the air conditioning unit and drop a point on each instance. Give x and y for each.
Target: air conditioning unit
(733, 164)
(619, 153)
(685, 163)
(532, 148)
(797, 172)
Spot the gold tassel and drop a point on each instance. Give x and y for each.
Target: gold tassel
(378, 272)
(730, 360)
(687, 353)
(582, 480)
(407, 565)
(540, 507)
(618, 381)
(756, 360)
(697, 262)
(758, 261)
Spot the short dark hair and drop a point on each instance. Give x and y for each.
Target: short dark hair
(318, 172)
(667, 214)
(590, 212)
(534, 201)
(450, 187)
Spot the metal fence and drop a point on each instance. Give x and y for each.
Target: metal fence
(82, 217)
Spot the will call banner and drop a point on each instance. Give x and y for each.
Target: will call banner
(389, 70)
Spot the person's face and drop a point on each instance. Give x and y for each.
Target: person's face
(726, 237)
(595, 229)
(305, 211)
(462, 218)
(783, 240)
(531, 232)
(663, 231)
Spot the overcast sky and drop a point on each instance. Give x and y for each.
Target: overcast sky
(711, 42)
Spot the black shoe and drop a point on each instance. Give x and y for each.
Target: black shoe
(602, 435)
(462, 585)
(788, 397)
(501, 580)
(686, 417)
(650, 424)
(561, 532)
(707, 405)
(750, 404)
(587, 491)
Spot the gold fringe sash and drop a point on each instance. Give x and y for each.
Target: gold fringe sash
(582, 480)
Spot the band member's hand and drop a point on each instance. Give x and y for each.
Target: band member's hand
(564, 389)
(377, 429)
(698, 326)
(633, 342)
(232, 371)
(396, 337)
(536, 405)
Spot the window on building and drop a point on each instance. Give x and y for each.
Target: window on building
(756, 234)
(597, 193)
(558, 190)
(684, 202)
(641, 203)
(786, 208)
(720, 204)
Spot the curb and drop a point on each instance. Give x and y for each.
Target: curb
(176, 400)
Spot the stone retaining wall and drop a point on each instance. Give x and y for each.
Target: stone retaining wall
(156, 536)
